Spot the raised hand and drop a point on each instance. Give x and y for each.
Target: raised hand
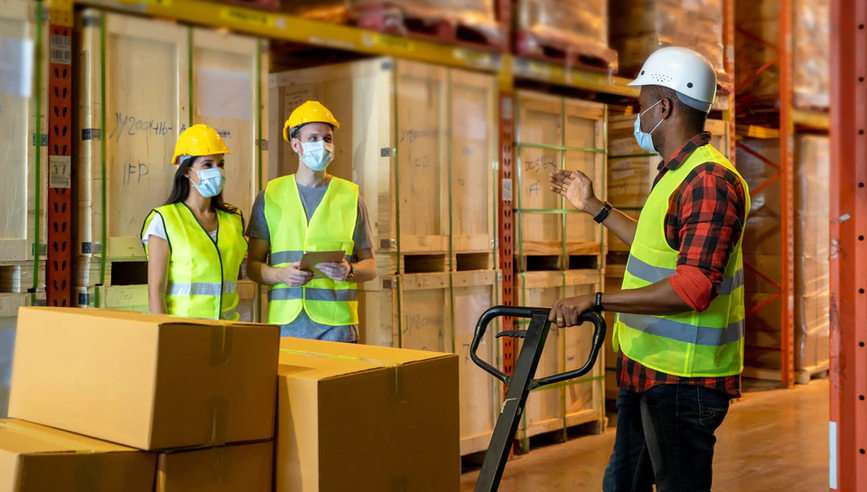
(577, 188)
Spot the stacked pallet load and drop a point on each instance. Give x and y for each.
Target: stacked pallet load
(570, 32)
(420, 142)
(631, 173)
(159, 78)
(466, 22)
(762, 257)
(192, 408)
(24, 160)
(755, 49)
(640, 27)
(559, 251)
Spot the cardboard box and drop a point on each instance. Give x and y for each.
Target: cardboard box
(366, 419)
(146, 381)
(232, 468)
(52, 460)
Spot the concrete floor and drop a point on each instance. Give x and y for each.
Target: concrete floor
(772, 440)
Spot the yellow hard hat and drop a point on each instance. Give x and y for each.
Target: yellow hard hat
(309, 112)
(199, 140)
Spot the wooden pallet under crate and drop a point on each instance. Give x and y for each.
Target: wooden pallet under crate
(18, 277)
(556, 133)
(159, 78)
(559, 407)
(438, 312)
(420, 141)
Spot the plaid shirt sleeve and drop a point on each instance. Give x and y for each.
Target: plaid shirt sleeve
(705, 223)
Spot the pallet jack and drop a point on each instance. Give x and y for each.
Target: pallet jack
(522, 381)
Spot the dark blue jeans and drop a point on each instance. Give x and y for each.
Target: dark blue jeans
(665, 436)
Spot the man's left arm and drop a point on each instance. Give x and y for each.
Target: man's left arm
(711, 215)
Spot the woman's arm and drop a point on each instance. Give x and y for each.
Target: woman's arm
(158, 265)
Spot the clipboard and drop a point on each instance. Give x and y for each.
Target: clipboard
(313, 258)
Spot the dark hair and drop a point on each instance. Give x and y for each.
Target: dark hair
(181, 189)
(694, 118)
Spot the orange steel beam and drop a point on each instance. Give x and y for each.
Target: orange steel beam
(767, 183)
(760, 274)
(758, 156)
(787, 239)
(848, 306)
(740, 86)
(752, 37)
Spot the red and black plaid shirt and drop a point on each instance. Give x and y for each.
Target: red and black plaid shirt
(704, 223)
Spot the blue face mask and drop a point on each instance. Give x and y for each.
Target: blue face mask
(645, 140)
(317, 155)
(211, 182)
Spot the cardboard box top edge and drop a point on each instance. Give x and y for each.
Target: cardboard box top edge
(134, 317)
(25, 438)
(317, 360)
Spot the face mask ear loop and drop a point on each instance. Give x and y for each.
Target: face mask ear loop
(646, 110)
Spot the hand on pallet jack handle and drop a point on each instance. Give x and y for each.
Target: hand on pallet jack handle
(539, 320)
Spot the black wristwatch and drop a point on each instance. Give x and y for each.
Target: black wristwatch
(351, 272)
(598, 305)
(603, 214)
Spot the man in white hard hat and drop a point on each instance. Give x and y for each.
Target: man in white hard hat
(680, 322)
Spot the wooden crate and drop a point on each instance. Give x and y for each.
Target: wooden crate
(420, 142)
(23, 110)
(148, 101)
(135, 298)
(558, 407)
(557, 133)
(438, 312)
(613, 281)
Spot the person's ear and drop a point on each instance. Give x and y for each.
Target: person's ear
(665, 107)
(296, 145)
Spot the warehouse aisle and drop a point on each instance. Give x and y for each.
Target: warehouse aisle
(772, 441)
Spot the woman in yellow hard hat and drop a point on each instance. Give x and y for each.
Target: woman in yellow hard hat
(195, 242)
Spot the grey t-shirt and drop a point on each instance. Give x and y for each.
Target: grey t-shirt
(311, 197)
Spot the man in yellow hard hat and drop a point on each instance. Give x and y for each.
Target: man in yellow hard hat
(311, 211)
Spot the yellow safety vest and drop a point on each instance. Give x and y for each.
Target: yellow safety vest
(203, 276)
(330, 229)
(690, 344)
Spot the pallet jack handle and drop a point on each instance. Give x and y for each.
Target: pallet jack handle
(522, 381)
(537, 313)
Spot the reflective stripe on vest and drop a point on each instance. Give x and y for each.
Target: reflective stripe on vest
(202, 275)
(330, 228)
(286, 257)
(652, 275)
(690, 344)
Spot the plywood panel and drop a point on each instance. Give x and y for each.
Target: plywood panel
(546, 126)
(20, 106)
(225, 83)
(146, 106)
(551, 408)
(472, 146)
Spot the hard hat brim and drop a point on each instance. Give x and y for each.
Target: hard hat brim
(176, 158)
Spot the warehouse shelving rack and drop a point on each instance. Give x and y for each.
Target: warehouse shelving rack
(790, 120)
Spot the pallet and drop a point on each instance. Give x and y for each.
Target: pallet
(17, 277)
(586, 423)
(135, 298)
(582, 256)
(439, 26)
(420, 142)
(558, 407)
(160, 78)
(549, 47)
(438, 312)
(25, 155)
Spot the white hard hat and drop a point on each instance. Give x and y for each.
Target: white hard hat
(690, 75)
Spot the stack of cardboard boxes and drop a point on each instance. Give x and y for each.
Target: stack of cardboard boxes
(111, 401)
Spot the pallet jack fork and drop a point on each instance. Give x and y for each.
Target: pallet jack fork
(522, 381)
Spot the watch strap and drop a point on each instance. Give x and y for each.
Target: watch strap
(603, 214)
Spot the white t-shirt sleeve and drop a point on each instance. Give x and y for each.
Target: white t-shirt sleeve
(156, 228)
